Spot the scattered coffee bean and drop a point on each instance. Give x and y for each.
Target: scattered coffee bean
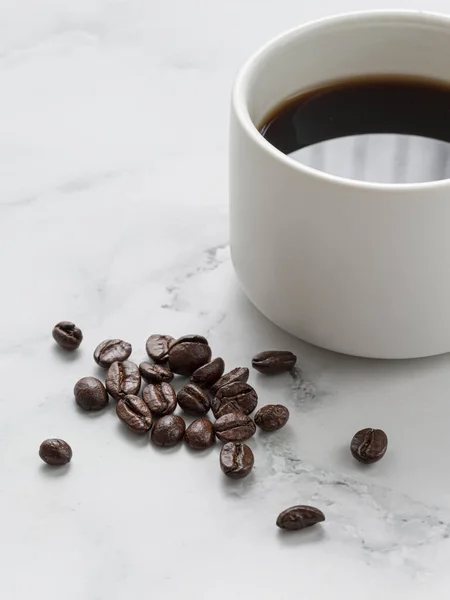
(272, 417)
(161, 399)
(299, 517)
(193, 399)
(200, 434)
(155, 373)
(122, 379)
(134, 412)
(273, 362)
(236, 460)
(369, 445)
(234, 397)
(207, 375)
(55, 452)
(168, 431)
(189, 353)
(67, 335)
(234, 427)
(157, 347)
(110, 351)
(235, 375)
(90, 394)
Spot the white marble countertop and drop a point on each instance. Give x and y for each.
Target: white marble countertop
(113, 146)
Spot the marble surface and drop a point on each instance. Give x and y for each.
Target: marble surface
(113, 147)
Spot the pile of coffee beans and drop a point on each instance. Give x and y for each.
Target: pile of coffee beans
(228, 397)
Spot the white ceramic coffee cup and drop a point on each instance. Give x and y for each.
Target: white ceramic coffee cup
(356, 267)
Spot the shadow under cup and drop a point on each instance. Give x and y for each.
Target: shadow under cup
(353, 266)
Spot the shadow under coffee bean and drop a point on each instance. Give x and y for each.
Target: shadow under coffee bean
(385, 129)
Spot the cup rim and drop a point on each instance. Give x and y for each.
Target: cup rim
(240, 91)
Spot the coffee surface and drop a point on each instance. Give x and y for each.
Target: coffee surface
(386, 129)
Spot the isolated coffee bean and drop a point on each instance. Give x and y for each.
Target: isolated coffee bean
(200, 434)
(236, 460)
(239, 374)
(193, 399)
(155, 373)
(157, 347)
(55, 452)
(272, 417)
(168, 431)
(122, 379)
(234, 427)
(161, 399)
(90, 394)
(207, 375)
(189, 353)
(273, 362)
(67, 335)
(369, 445)
(110, 351)
(234, 397)
(299, 517)
(134, 412)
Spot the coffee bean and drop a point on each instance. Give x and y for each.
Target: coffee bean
(67, 335)
(234, 397)
(369, 445)
(207, 375)
(122, 379)
(273, 362)
(110, 351)
(55, 452)
(299, 517)
(189, 353)
(235, 375)
(168, 431)
(134, 412)
(234, 427)
(272, 417)
(157, 347)
(236, 460)
(193, 399)
(90, 394)
(200, 434)
(155, 373)
(161, 399)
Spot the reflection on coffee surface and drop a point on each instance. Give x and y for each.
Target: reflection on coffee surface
(387, 129)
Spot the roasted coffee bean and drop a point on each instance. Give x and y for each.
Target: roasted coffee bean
(55, 452)
(157, 347)
(193, 399)
(90, 394)
(110, 351)
(273, 362)
(134, 412)
(67, 335)
(239, 374)
(189, 353)
(234, 397)
(236, 460)
(168, 431)
(122, 379)
(155, 373)
(207, 375)
(234, 427)
(161, 399)
(299, 517)
(200, 434)
(272, 417)
(369, 445)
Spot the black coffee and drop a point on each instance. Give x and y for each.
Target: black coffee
(387, 129)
